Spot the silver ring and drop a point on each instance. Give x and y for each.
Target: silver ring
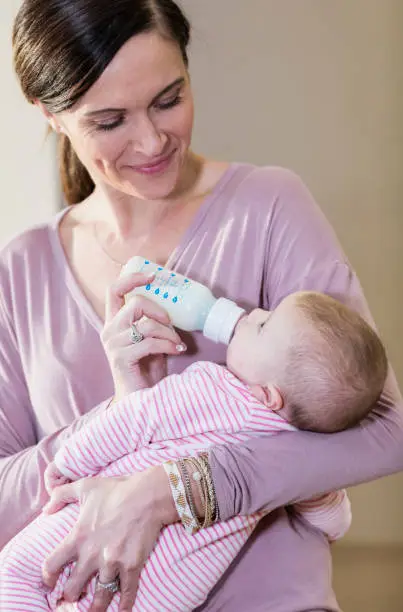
(135, 335)
(113, 586)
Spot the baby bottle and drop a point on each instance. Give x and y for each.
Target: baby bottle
(190, 305)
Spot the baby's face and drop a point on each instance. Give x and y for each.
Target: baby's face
(259, 344)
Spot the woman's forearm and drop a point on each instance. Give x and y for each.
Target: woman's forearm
(267, 473)
(23, 492)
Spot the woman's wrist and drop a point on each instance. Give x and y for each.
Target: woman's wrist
(192, 491)
(197, 500)
(162, 500)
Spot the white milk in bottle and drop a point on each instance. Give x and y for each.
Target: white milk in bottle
(190, 305)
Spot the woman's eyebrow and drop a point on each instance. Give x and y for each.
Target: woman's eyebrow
(91, 114)
(102, 111)
(180, 81)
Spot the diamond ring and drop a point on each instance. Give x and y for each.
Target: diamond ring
(135, 335)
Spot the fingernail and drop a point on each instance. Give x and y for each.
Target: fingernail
(181, 348)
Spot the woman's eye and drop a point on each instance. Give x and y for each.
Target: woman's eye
(109, 125)
(169, 103)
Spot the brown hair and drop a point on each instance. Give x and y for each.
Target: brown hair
(61, 48)
(335, 368)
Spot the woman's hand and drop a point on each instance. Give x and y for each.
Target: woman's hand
(140, 365)
(120, 520)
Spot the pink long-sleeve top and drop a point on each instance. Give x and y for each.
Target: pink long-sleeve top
(256, 238)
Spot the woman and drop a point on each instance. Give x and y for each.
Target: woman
(112, 80)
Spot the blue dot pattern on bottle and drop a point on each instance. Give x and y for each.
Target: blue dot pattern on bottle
(173, 274)
(159, 269)
(157, 292)
(148, 287)
(175, 299)
(146, 262)
(186, 280)
(166, 295)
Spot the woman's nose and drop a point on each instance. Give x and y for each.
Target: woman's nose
(148, 140)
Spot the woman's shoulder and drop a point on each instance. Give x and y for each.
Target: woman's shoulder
(35, 238)
(28, 251)
(265, 180)
(250, 189)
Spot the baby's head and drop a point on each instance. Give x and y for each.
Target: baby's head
(312, 357)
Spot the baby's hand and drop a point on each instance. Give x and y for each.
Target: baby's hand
(54, 478)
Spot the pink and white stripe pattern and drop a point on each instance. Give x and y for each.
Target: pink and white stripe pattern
(205, 405)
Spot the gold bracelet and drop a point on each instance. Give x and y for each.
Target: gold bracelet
(188, 490)
(204, 457)
(202, 477)
(210, 488)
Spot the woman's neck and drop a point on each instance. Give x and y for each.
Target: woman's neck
(128, 216)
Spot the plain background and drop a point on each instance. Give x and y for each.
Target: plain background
(313, 85)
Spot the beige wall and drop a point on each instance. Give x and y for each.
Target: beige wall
(27, 176)
(316, 85)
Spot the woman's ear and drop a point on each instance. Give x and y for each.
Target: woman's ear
(50, 117)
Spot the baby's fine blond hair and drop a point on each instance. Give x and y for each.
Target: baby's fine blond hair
(335, 366)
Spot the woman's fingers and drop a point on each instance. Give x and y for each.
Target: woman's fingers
(150, 329)
(61, 556)
(137, 307)
(108, 573)
(131, 362)
(115, 296)
(129, 357)
(129, 581)
(78, 580)
(101, 601)
(118, 525)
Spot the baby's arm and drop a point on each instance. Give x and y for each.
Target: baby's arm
(54, 478)
(109, 436)
(330, 513)
(168, 411)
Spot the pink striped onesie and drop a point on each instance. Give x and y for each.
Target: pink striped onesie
(183, 414)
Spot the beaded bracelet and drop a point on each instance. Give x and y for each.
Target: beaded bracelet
(186, 516)
(180, 474)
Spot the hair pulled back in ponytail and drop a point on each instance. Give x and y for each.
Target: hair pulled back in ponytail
(61, 48)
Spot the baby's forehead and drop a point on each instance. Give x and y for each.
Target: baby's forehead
(294, 317)
(291, 303)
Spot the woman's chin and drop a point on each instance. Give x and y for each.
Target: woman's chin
(154, 192)
(155, 187)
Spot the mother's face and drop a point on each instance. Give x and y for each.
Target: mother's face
(132, 129)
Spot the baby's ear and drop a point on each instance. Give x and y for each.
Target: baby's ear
(269, 395)
(273, 398)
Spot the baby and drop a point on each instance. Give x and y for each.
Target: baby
(311, 364)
